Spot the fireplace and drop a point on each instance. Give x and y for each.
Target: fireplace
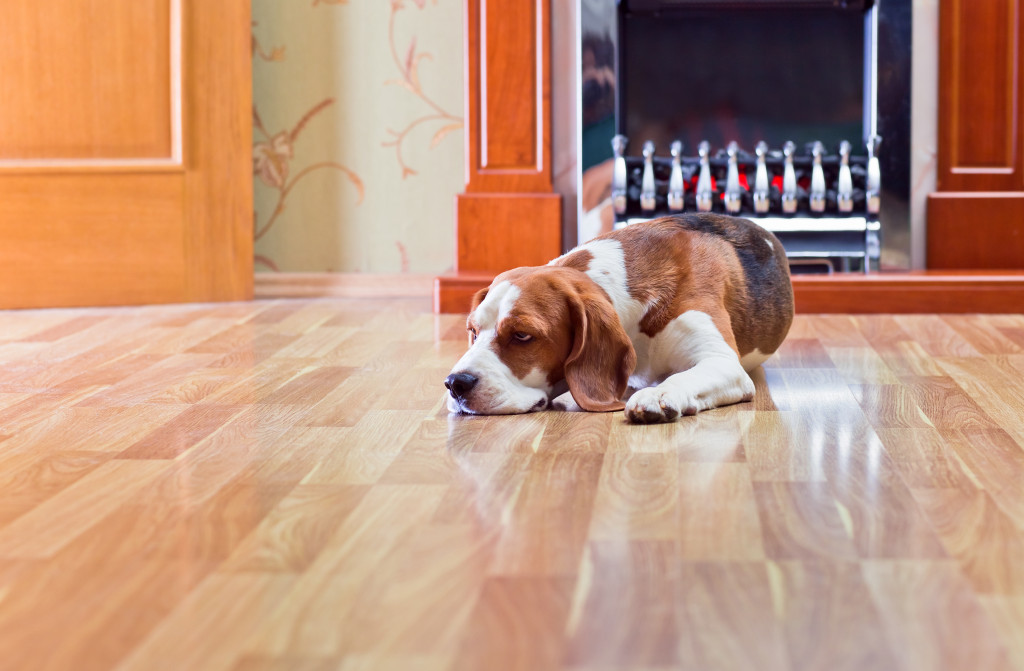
(793, 113)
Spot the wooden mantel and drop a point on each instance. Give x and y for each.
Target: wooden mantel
(509, 215)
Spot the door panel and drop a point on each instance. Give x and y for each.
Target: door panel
(107, 61)
(101, 237)
(125, 152)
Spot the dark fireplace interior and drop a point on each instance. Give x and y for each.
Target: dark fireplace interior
(726, 85)
(744, 73)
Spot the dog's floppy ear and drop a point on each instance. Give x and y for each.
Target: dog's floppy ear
(478, 298)
(602, 357)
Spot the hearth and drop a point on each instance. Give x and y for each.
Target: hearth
(793, 113)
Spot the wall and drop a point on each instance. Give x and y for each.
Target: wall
(923, 123)
(358, 134)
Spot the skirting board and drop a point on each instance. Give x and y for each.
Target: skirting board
(878, 293)
(342, 285)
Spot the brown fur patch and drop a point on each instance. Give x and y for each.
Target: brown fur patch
(578, 259)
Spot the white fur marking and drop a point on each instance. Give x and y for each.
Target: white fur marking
(608, 270)
(752, 360)
(499, 300)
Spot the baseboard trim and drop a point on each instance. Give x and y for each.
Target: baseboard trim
(943, 292)
(877, 293)
(342, 285)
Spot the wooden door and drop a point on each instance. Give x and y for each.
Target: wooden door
(125, 144)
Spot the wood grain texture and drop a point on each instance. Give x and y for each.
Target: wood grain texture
(277, 485)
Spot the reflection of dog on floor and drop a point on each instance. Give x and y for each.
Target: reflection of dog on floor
(678, 309)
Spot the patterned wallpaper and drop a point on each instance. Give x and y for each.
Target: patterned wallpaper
(358, 134)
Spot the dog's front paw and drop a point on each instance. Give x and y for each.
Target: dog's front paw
(653, 405)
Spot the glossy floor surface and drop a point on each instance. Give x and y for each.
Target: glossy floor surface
(277, 485)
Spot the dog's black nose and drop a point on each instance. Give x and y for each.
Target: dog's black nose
(460, 384)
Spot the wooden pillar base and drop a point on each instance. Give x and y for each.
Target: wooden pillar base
(498, 231)
(453, 292)
(967, 231)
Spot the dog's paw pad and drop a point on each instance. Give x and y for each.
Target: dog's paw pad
(669, 412)
(644, 416)
(650, 406)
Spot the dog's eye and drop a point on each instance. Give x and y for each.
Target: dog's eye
(519, 336)
(472, 336)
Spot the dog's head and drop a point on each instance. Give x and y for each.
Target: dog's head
(534, 331)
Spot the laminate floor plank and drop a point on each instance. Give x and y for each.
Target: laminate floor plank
(936, 336)
(637, 497)
(915, 600)
(1007, 613)
(624, 612)
(975, 531)
(995, 462)
(718, 513)
(983, 334)
(821, 602)
(730, 616)
(277, 485)
(927, 459)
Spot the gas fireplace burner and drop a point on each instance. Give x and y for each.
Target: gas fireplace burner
(773, 110)
(796, 195)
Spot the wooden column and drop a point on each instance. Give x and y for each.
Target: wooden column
(508, 215)
(976, 219)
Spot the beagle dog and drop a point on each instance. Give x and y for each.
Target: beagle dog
(676, 310)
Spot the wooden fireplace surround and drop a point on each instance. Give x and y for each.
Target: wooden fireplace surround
(509, 214)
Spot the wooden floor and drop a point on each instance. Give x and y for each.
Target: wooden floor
(277, 485)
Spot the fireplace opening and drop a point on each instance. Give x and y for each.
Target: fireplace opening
(793, 113)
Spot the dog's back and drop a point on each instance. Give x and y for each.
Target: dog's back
(679, 262)
(769, 291)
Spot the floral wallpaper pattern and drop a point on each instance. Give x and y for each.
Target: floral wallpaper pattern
(357, 134)
(409, 67)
